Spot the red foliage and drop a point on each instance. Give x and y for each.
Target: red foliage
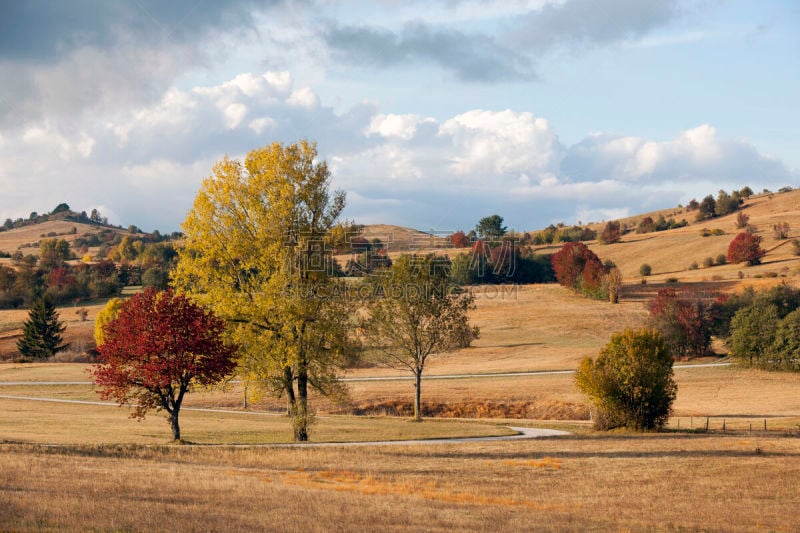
(684, 320)
(575, 265)
(158, 344)
(60, 278)
(611, 233)
(745, 247)
(459, 240)
(480, 248)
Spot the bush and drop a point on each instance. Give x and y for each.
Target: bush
(694, 266)
(631, 383)
(721, 260)
(645, 270)
(780, 231)
(708, 262)
(742, 220)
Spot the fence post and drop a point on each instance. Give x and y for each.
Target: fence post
(765, 424)
(723, 425)
(706, 424)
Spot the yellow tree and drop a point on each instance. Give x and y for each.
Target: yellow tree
(257, 252)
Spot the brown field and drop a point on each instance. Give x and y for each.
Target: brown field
(618, 482)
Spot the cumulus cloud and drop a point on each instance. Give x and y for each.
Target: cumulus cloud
(694, 154)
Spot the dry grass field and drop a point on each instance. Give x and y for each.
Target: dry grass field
(618, 482)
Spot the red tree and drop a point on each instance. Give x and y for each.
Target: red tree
(745, 247)
(577, 267)
(684, 320)
(611, 233)
(159, 344)
(459, 240)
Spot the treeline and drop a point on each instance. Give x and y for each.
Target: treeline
(138, 263)
(762, 328)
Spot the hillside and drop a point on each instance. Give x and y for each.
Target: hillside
(670, 253)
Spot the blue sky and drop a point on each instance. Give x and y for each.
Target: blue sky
(430, 115)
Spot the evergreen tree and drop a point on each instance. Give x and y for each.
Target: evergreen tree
(41, 333)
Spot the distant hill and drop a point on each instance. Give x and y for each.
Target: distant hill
(670, 253)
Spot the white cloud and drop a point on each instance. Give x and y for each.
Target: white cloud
(400, 126)
(498, 143)
(304, 97)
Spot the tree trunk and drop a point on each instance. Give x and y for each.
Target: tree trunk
(417, 394)
(173, 423)
(301, 409)
(288, 386)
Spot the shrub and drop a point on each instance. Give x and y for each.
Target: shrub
(721, 260)
(717, 232)
(693, 265)
(745, 247)
(631, 383)
(796, 246)
(742, 220)
(645, 270)
(781, 231)
(671, 280)
(708, 262)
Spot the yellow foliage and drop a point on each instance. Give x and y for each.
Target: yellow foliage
(106, 315)
(255, 251)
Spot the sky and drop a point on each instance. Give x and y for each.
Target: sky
(429, 114)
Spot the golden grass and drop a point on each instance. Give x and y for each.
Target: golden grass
(589, 481)
(63, 423)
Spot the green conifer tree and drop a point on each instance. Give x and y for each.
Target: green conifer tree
(41, 333)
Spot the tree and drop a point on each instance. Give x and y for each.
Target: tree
(785, 352)
(726, 203)
(490, 227)
(684, 322)
(645, 270)
(53, 253)
(104, 316)
(611, 232)
(257, 243)
(631, 383)
(459, 240)
(160, 344)
(41, 333)
(577, 267)
(613, 282)
(707, 208)
(745, 247)
(417, 313)
(753, 330)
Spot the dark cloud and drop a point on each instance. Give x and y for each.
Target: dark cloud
(470, 57)
(592, 22)
(43, 31)
(62, 58)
